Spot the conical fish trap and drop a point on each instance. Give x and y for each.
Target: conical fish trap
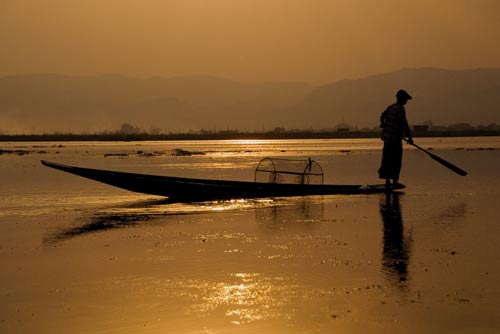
(279, 170)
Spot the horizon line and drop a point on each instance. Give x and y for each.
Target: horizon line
(225, 78)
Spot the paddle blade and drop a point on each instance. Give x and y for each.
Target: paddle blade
(447, 164)
(443, 162)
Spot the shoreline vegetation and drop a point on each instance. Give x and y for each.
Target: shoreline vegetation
(278, 133)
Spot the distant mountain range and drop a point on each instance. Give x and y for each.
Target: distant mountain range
(47, 103)
(441, 96)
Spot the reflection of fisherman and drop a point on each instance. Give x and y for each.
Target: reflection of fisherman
(394, 127)
(396, 247)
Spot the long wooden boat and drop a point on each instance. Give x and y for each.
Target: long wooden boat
(190, 189)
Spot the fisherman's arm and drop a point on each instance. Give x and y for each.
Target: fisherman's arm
(407, 129)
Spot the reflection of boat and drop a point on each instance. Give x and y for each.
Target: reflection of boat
(298, 215)
(136, 213)
(195, 189)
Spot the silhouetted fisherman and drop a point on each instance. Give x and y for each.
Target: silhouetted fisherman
(396, 246)
(394, 127)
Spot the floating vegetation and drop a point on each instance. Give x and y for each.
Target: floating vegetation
(477, 149)
(116, 155)
(483, 149)
(22, 152)
(45, 146)
(176, 152)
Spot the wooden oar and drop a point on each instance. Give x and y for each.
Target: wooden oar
(443, 162)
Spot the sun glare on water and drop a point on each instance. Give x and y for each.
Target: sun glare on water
(246, 298)
(249, 142)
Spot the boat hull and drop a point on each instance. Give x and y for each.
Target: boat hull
(191, 189)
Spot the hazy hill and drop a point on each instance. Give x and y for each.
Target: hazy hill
(442, 96)
(36, 103)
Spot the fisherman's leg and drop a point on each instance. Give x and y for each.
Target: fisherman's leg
(384, 170)
(397, 162)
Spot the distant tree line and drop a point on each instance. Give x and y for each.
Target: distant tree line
(129, 132)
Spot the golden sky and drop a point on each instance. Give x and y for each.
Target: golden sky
(317, 41)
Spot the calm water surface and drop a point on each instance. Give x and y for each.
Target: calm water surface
(78, 256)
